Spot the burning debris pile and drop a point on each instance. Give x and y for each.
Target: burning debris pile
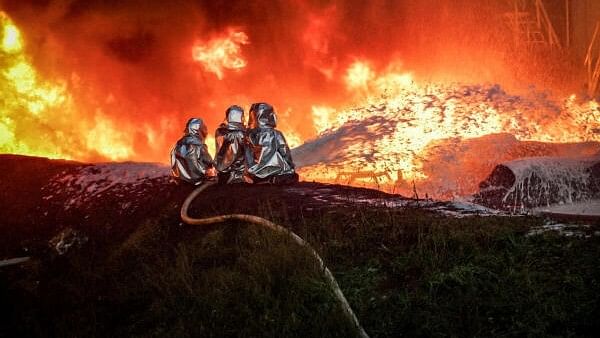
(437, 138)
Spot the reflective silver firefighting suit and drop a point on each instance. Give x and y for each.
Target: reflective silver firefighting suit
(190, 160)
(230, 139)
(268, 155)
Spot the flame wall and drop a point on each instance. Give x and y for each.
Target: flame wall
(116, 80)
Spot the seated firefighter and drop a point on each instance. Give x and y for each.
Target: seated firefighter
(268, 155)
(231, 148)
(190, 160)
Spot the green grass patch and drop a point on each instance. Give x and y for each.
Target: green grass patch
(405, 273)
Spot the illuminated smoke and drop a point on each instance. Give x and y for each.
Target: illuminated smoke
(316, 38)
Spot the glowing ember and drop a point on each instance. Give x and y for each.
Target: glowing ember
(222, 53)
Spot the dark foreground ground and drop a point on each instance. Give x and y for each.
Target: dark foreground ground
(114, 260)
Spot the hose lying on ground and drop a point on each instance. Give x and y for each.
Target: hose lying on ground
(277, 228)
(13, 261)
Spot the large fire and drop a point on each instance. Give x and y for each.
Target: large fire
(363, 114)
(32, 107)
(24, 96)
(222, 53)
(398, 125)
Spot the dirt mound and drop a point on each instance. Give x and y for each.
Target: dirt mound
(42, 198)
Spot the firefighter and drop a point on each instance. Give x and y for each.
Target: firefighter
(190, 160)
(230, 152)
(268, 156)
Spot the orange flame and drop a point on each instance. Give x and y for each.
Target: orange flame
(11, 41)
(55, 117)
(358, 76)
(24, 96)
(37, 116)
(222, 53)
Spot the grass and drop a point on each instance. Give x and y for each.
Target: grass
(474, 277)
(405, 273)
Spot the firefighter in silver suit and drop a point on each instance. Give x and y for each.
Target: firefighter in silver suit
(230, 140)
(268, 155)
(190, 160)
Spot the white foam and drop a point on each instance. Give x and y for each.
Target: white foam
(586, 208)
(544, 180)
(91, 181)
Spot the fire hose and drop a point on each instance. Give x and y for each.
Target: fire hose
(13, 261)
(277, 228)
